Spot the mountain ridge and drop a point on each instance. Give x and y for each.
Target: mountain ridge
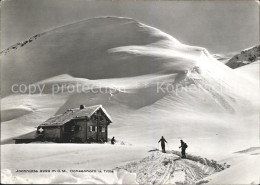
(245, 57)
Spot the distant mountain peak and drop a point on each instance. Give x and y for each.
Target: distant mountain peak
(20, 44)
(245, 57)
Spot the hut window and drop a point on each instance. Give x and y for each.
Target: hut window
(93, 128)
(102, 129)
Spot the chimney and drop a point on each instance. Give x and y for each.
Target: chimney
(81, 106)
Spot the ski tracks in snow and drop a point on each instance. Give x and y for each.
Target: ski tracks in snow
(161, 168)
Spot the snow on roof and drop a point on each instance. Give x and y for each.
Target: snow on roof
(30, 135)
(76, 113)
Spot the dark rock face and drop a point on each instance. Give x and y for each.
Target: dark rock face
(247, 56)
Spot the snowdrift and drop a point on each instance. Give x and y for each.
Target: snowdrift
(168, 168)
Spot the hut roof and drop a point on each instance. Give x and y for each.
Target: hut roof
(76, 113)
(30, 135)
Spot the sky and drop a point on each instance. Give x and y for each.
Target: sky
(219, 26)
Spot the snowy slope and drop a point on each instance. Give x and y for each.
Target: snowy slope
(20, 114)
(250, 71)
(246, 56)
(244, 169)
(223, 57)
(84, 43)
(251, 151)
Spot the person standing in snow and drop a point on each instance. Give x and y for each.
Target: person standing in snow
(113, 140)
(163, 141)
(183, 147)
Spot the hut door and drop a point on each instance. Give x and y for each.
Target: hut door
(69, 133)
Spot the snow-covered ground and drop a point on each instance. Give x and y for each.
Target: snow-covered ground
(250, 71)
(244, 169)
(150, 84)
(170, 168)
(120, 164)
(69, 157)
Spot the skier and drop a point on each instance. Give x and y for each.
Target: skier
(183, 149)
(162, 140)
(113, 140)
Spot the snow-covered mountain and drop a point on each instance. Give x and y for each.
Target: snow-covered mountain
(245, 57)
(150, 83)
(146, 74)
